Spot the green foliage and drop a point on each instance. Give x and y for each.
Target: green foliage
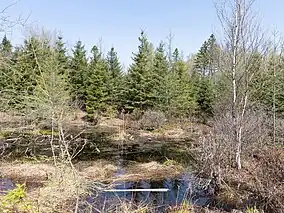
(158, 78)
(97, 83)
(176, 56)
(204, 97)
(78, 74)
(50, 99)
(268, 84)
(181, 90)
(138, 93)
(48, 132)
(24, 70)
(36, 74)
(5, 68)
(185, 207)
(206, 58)
(115, 83)
(61, 52)
(6, 47)
(15, 201)
(253, 210)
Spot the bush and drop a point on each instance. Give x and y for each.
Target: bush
(152, 120)
(136, 115)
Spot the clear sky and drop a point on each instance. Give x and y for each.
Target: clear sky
(118, 22)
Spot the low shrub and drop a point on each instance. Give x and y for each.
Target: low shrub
(15, 201)
(152, 120)
(253, 210)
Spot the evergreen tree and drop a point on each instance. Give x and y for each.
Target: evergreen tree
(181, 89)
(78, 74)
(6, 47)
(204, 98)
(25, 65)
(28, 62)
(6, 73)
(115, 78)
(206, 58)
(97, 87)
(176, 56)
(268, 85)
(160, 72)
(137, 91)
(61, 52)
(5, 69)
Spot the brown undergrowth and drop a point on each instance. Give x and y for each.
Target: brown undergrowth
(260, 183)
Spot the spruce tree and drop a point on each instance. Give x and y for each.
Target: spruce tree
(97, 83)
(6, 47)
(61, 52)
(206, 58)
(78, 74)
(6, 72)
(50, 100)
(204, 98)
(5, 63)
(137, 92)
(159, 76)
(115, 78)
(181, 88)
(26, 69)
(176, 55)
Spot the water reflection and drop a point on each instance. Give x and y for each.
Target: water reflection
(180, 189)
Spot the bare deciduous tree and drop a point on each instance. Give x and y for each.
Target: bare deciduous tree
(242, 46)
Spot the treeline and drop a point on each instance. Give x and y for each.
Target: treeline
(41, 71)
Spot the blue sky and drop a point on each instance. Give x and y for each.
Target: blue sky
(118, 22)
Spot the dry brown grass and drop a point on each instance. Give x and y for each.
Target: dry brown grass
(152, 170)
(130, 207)
(260, 182)
(50, 188)
(64, 189)
(7, 118)
(164, 133)
(29, 173)
(100, 170)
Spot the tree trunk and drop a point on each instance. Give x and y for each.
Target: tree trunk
(237, 130)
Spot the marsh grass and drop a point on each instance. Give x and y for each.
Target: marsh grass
(63, 188)
(48, 188)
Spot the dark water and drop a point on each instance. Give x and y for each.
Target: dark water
(184, 188)
(6, 185)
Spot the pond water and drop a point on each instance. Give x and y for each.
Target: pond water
(6, 185)
(183, 188)
(186, 187)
